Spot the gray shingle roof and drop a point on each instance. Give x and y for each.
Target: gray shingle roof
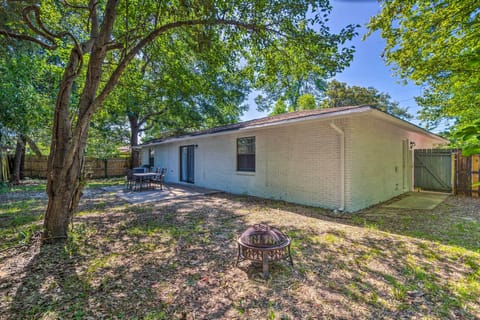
(261, 121)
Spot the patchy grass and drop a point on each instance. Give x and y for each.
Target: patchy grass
(20, 218)
(456, 222)
(22, 208)
(33, 185)
(101, 183)
(176, 260)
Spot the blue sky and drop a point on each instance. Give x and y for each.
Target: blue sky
(367, 68)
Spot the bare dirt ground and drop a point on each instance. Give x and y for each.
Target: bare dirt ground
(176, 260)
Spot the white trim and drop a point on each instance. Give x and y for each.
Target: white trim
(245, 173)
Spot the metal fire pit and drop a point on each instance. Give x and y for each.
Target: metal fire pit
(264, 244)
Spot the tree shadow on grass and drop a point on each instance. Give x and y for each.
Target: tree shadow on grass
(176, 260)
(380, 273)
(50, 286)
(455, 222)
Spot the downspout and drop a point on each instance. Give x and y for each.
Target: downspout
(341, 133)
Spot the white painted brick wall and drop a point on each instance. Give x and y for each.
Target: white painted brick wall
(301, 162)
(297, 163)
(376, 161)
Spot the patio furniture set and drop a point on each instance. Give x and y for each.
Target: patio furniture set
(139, 179)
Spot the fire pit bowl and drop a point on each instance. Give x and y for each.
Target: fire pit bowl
(263, 243)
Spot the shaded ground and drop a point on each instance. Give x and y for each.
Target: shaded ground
(175, 260)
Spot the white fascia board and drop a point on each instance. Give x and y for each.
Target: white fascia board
(281, 123)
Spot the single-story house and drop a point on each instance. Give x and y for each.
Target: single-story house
(344, 158)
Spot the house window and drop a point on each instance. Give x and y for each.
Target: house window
(151, 158)
(246, 154)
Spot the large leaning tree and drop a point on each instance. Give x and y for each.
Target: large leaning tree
(271, 37)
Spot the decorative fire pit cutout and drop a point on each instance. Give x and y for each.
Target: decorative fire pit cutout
(264, 244)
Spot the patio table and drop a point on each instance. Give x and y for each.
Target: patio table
(144, 177)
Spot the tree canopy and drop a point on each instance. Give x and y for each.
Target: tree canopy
(340, 94)
(27, 90)
(96, 41)
(436, 44)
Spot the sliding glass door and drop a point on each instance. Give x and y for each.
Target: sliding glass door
(187, 163)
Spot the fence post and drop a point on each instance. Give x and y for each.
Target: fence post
(475, 175)
(105, 165)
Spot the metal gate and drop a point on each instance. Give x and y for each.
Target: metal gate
(433, 169)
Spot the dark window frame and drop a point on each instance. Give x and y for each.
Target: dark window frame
(190, 162)
(246, 154)
(151, 157)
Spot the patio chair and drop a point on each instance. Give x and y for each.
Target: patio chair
(139, 170)
(159, 177)
(130, 181)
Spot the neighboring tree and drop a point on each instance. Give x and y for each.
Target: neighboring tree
(289, 90)
(435, 44)
(339, 94)
(5, 147)
(306, 102)
(467, 137)
(261, 34)
(205, 92)
(279, 108)
(26, 96)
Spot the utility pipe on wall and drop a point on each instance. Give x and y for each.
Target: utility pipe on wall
(341, 133)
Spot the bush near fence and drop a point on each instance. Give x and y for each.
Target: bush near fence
(36, 167)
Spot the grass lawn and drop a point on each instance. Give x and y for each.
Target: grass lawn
(176, 260)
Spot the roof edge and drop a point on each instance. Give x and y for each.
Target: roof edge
(328, 115)
(406, 123)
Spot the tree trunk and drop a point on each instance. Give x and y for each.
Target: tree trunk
(17, 162)
(22, 160)
(65, 162)
(34, 147)
(134, 131)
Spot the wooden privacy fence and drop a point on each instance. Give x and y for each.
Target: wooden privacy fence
(447, 170)
(467, 174)
(36, 167)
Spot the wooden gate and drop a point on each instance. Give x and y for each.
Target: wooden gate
(433, 169)
(467, 175)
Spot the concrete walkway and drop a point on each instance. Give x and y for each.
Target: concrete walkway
(419, 200)
(169, 192)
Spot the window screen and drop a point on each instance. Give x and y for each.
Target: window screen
(246, 154)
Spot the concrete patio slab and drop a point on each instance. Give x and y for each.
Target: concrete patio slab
(419, 200)
(169, 192)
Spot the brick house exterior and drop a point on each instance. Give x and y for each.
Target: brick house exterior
(339, 158)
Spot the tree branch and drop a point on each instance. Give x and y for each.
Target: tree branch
(151, 115)
(41, 30)
(44, 32)
(113, 80)
(34, 146)
(27, 38)
(92, 6)
(75, 6)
